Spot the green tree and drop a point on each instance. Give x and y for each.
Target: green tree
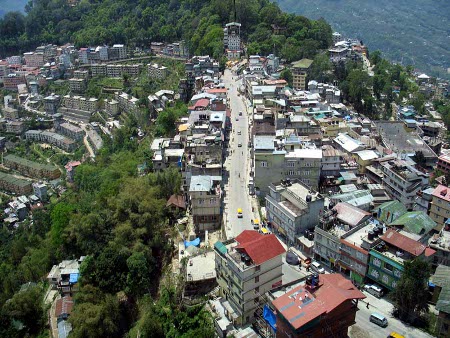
(286, 74)
(139, 274)
(60, 216)
(411, 293)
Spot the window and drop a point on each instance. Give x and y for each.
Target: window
(257, 289)
(290, 164)
(257, 279)
(291, 172)
(388, 267)
(264, 164)
(258, 268)
(211, 201)
(200, 201)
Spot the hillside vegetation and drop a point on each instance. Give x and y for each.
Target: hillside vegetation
(415, 32)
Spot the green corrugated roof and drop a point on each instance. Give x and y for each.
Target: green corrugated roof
(416, 222)
(303, 63)
(219, 246)
(443, 303)
(441, 276)
(393, 209)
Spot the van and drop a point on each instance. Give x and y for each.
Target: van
(374, 290)
(317, 267)
(378, 319)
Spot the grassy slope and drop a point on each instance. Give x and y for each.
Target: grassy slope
(416, 30)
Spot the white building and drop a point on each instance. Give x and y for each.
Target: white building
(247, 267)
(232, 38)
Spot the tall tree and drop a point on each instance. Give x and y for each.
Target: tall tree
(411, 294)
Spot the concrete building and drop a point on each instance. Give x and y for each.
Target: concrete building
(70, 170)
(247, 267)
(293, 208)
(111, 107)
(403, 181)
(71, 131)
(11, 81)
(440, 205)
(64, 276)
(40, 190)
(81, 74)
(15, 185)
(232, 40)
(331, 161)
(323, 306)
(156, 71)
(98, 69)
(35, 60)
(299, 73)
(58, 140)
(30, 168)
(305, 165)
(15, 127)
(4, 70)
(443, 163)
(205, 196)
(10, 113)
(51, 104)
(77, 85)
(387, 258)
(118, 51)
(127, 103)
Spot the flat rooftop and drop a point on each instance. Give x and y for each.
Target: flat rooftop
(357, 237)
(202, 267)
(397, 137)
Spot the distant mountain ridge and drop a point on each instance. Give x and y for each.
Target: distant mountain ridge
(12, 5)
(409, 31)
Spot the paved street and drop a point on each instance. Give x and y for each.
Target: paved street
(237, 163)
(365, 329)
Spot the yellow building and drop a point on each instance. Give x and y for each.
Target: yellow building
(440, 205)
(300, 72)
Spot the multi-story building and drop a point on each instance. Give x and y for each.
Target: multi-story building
(300, 72)
(71, 131)
(40, 190)
(77, 85)
(58, 140)
(10, 113)
(102, 52)
(156, 71)
(4, 70)
(81, 74)
(387, 258)
(331, 161)
(403, 181)
(440, 205)
(132, 70)
(98, 69)
(15, 127)
(51, 104)
(127, 103)
(323, 306)
(443, 163)
(14, 60)
(111, 107)
(70, 170)
(30, 168)
(292, 208)
(113, 70)
(11, 81)
(13, 184)
(34, 59)
(247, 267)
(232, 39)
(205, 196)
(118, 51)
(304, 164)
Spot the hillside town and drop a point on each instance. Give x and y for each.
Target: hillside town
(296, 214)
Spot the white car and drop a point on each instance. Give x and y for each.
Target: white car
(239, 132)
(315, 266)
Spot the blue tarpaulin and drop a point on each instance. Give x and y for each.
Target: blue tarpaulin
(73, 278)
(270, 318)
(195, 242)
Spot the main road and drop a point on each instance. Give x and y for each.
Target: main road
(237, 163)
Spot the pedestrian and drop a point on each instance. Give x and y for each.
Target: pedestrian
(367, 305)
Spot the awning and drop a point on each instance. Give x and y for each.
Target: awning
(281, 230)
(221, 247)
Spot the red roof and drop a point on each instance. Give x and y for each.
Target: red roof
(201, 103)
(216, 90)
(442, 192)
(177, 201)
(403, 242)
(64, 306)
(304, 304)
(260, 248)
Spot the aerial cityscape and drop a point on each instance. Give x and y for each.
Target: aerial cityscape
(217, 168)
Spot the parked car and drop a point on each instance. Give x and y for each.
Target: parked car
(317, 267)
(374, 290)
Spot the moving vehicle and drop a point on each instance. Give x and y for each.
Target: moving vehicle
(239, 132)
(239, 144)
(378, 319)
(239, 213)
(374, 290)
(264, 231)
(317, 267)
(255, 223)
(240, 113)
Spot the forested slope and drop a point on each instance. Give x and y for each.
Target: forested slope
(416, 32)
